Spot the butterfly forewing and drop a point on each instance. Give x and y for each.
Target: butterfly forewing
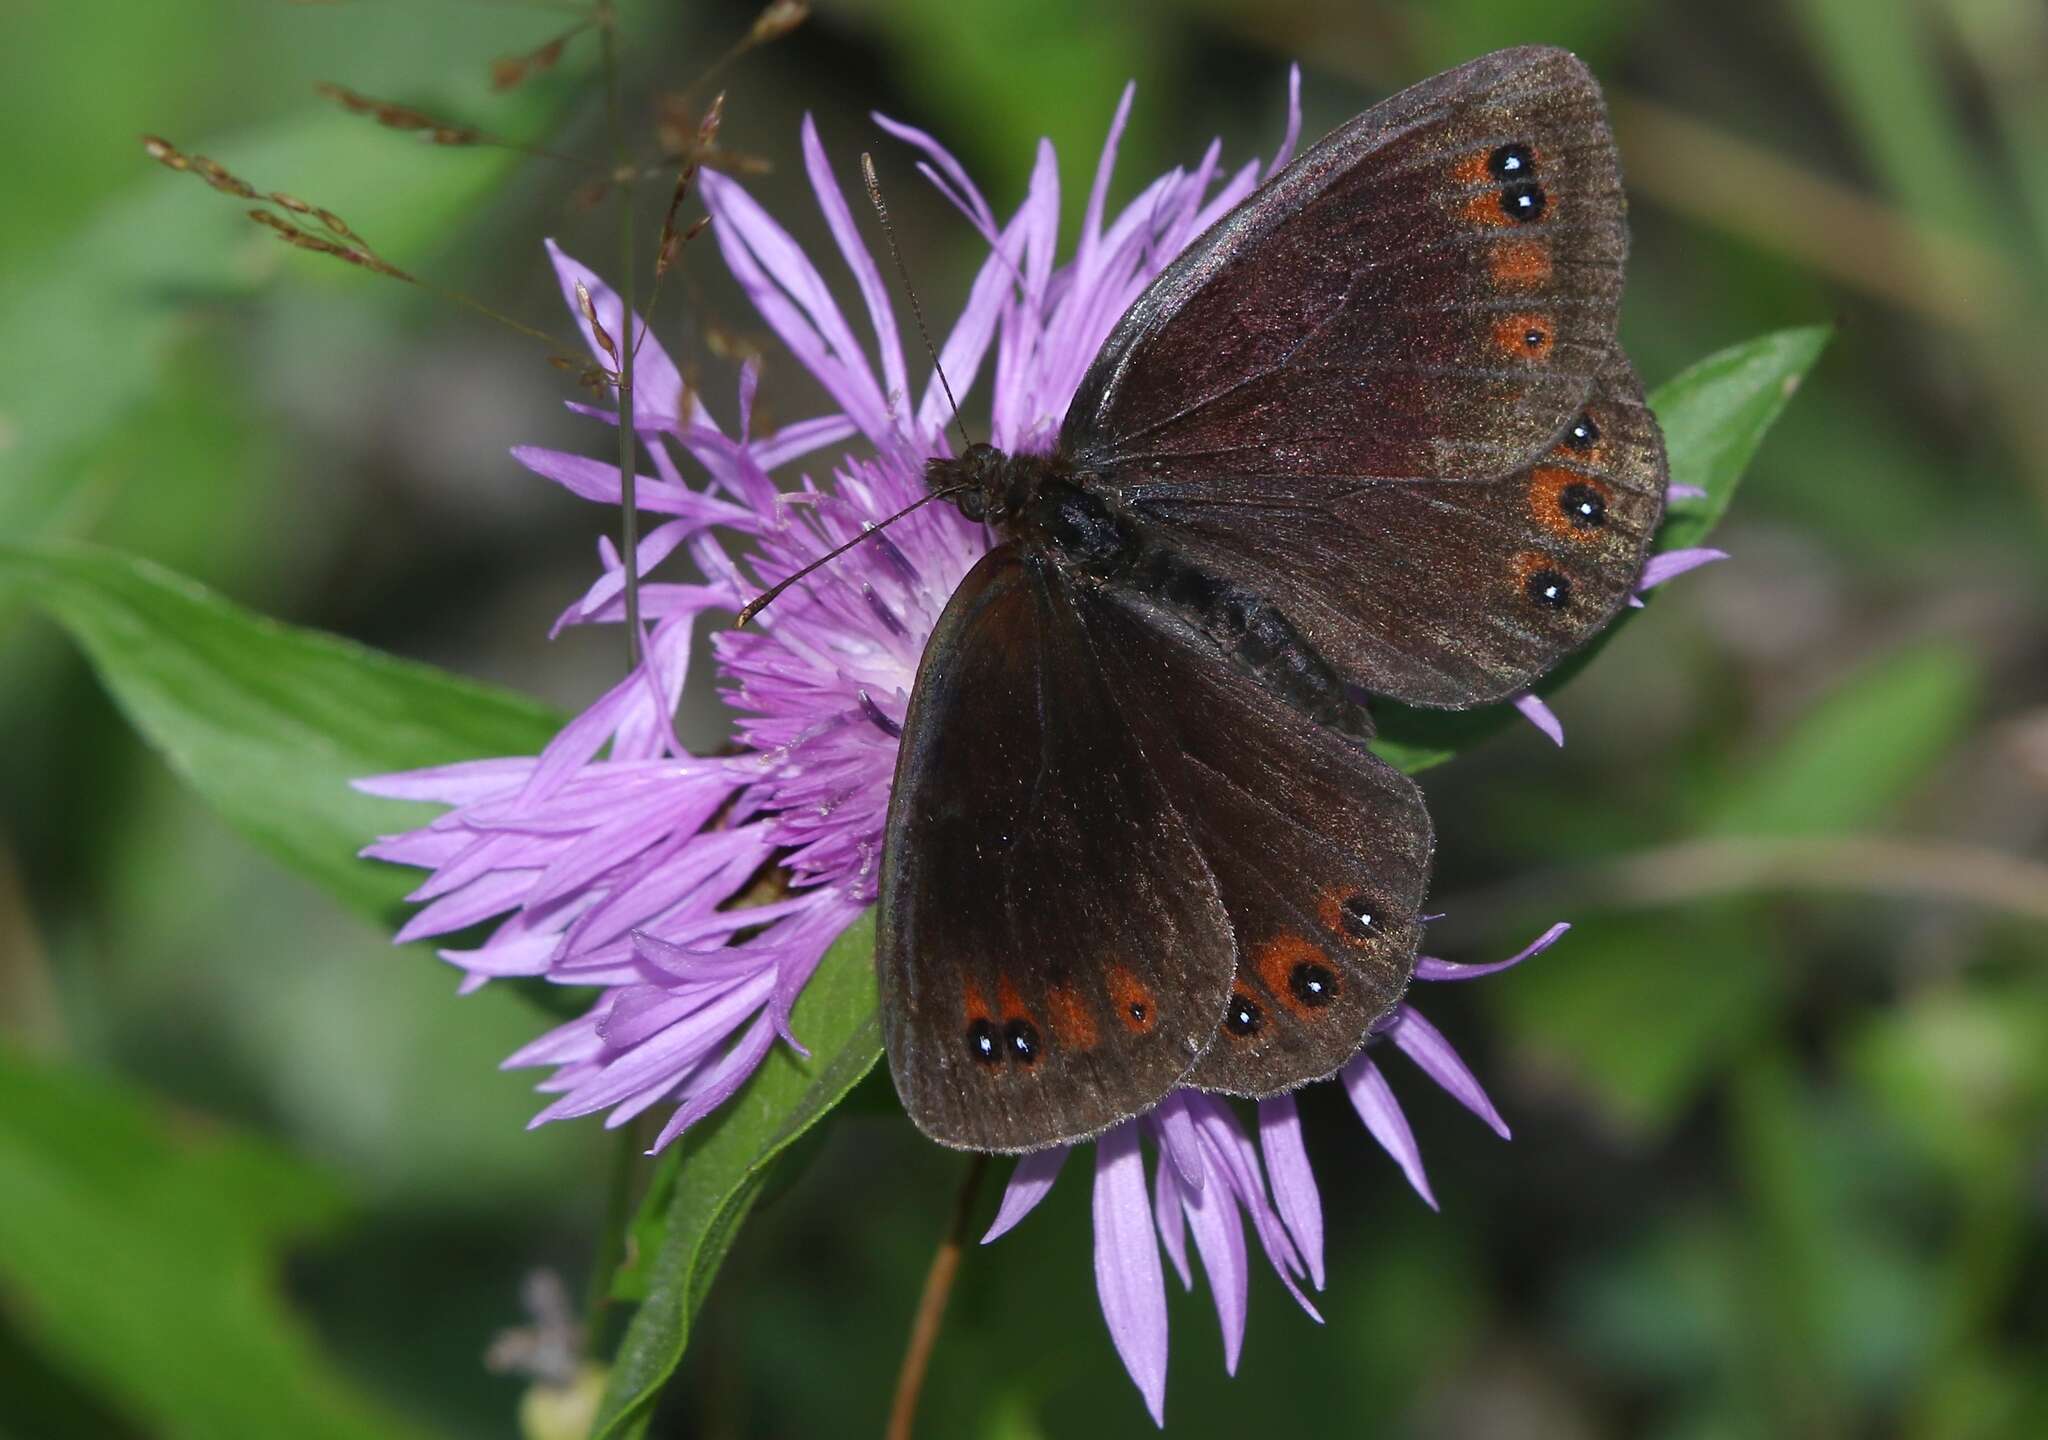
(1428, 293)
(1441, 592)
(1052, 951)
(1320, 850)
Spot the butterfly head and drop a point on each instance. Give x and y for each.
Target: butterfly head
(980, 481)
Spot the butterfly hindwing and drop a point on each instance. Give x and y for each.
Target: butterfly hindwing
(1320, 850)
(1426, 294)
(1052, 952)
(1443, 592)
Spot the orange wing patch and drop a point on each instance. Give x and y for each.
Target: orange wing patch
(1484, 210)
(1552, 508)
(1073, 1021)
(1137, 1010)
(975, 1003)
(1524, 335)
(1295, 972)
(1519, 264)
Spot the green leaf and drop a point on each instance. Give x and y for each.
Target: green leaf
(1715, 415)
(725, 1161)
(269, 723)
(139, 1251)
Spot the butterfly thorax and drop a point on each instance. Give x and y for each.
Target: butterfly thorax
(1039, 501)
(1071, 518)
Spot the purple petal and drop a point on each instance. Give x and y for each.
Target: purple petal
(456, 784)
(839, 219)
(656, 382)
(963, 192)
(1219, 1238)
(1423, 1043)
(1234, 1162)
(1287, 141)
(1674, 563)
(1686, 492)
(800, 438)
(966, 346)
(1374, 1100)
(1541, 716)
(1029, 1183)
(719, 1084)
(793, 298)
(1098, 193)
(1177, 1139)
(1295, 1194)
(1128, 1278)
(1431, 968)
(1173, 1226)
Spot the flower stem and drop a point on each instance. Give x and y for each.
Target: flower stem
(931, 1307)
(607, 20)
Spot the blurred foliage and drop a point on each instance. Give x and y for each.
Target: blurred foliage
(1779, 1152)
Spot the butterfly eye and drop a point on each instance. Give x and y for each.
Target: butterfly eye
(1511, 162)
(1523, 202)
(1313, 985)
(981, 1043)
(1021, 1038)
(1244, 1016)
(1583, 506)
(1548, 588)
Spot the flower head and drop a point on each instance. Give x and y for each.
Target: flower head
(698, 893)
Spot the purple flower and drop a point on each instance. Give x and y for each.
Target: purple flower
(616, 859)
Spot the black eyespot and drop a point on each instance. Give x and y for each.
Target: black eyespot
(1548, 589)
(1583, 435)
(1359, 918)
(1313, 984)
(981, 1043)
(1533, 339)
(1523, 202)
(1139, 1012)
(1022, 1038)
(1511, 162)
(1243, 1016)
(1583, 506)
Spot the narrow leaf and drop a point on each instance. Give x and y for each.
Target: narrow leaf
(1715, 415)
(725, 1161)
(270, 723)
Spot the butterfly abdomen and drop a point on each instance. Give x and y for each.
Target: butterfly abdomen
(1255, 634)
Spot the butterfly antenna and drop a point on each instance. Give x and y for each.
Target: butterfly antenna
(754, 606)
(867, 173)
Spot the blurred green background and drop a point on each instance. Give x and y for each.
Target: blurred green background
(1779, 1100)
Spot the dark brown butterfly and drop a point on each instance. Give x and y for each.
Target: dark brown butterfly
(1370, 434)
